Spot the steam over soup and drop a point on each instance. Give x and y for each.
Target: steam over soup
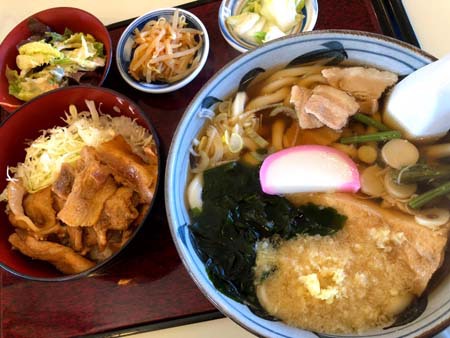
(303, 257)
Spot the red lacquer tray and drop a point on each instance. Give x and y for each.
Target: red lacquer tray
(149, 286)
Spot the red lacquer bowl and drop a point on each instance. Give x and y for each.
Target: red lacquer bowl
(58, 19)
(41, 113)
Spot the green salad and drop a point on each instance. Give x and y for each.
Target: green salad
(54, 60)
(260, 21)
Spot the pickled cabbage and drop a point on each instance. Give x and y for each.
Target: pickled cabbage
(264, 20)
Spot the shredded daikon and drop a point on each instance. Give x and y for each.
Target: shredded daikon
(165, 51)
(59, 145)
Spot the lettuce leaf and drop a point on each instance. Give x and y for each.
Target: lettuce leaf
(14, 82)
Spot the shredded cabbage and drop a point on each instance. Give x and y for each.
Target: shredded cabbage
(59, 145)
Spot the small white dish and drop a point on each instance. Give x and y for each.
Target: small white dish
(125, 50)
(233, 7)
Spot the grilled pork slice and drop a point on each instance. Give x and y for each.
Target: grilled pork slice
(418, 247)
(38, 206)
(62, 257)
(331, 106)
(16, 215)
(16, 192)
(362, 83)
(118, 213)
(128, 168)
(120, 210)
(92, 186)
(63, 184)
(75, 236)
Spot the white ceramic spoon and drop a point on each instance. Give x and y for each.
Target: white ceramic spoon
(419, 105)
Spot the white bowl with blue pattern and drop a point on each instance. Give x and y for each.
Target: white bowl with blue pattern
(125, 50)
(351, 46)
(233, 7)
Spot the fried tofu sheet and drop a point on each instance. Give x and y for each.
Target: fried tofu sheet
(357, 279)
(422, 249)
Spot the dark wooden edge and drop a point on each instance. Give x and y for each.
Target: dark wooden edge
(188, 5)
(383, 17)
(404, 25)
(394, 20)
(166, 324)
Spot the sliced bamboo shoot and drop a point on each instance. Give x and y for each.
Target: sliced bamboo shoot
(399, 153)
(400, 191)
(433, 218)
(372, 181)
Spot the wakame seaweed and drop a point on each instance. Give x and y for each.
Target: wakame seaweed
(235, 215)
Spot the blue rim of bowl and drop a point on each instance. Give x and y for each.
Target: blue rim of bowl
(125, 44)
(228, 7)
(219, 300)
(95, 270)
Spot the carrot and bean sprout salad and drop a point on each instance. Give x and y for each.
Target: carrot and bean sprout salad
(165, 51)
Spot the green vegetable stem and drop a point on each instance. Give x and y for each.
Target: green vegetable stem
(421, 172)
(367, 120)
(375, 137)
(421, 200)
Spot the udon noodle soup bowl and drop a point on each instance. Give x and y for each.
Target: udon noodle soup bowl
(352, 47)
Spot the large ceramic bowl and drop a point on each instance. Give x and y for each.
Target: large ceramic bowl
(358, 47)
(58, 19)
(41, 113)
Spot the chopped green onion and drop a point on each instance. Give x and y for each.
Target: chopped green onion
(421, 200)
(376, 137)
(367, 120)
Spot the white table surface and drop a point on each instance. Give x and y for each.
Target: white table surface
(108, 11)
(430, 20)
